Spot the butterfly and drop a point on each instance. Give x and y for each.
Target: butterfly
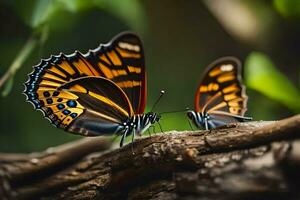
(221, 97)
(102, 92)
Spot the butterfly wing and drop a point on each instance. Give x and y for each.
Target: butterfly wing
(88, 105)
(221, 92)
(50, 74)
(122, 61)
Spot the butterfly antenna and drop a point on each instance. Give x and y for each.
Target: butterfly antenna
(162, 92)
(175, 111)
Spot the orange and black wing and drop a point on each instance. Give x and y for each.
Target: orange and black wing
(122, 61)
(221, 91)
(88, 105)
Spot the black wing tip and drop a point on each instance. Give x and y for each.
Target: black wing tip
(126, 34)
(114, 40)
(226, 58)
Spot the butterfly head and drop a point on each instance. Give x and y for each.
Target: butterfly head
(140, 123)
(192, 115)
(199, 119)
(153, 117)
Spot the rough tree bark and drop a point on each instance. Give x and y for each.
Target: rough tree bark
(256, 160)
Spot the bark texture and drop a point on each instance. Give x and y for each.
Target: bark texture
(255, 160)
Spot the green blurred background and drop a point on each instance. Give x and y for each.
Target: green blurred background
(180, 39)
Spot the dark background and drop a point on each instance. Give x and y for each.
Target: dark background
(180, 39)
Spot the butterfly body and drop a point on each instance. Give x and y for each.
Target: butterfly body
(220, 97)
(200, 120)
(137, 125)
(206, 121)
(102, 92)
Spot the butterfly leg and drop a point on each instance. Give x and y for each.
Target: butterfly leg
(206, 124)
(160, 127)
(153, 129)
(191, 125)
(122, 140)
(149, 132)
(123, 137)
(132, 140)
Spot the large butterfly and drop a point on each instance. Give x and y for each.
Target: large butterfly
(102, 92)
(221, 97)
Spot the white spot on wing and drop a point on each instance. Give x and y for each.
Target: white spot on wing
(227, 68)
(128, 46)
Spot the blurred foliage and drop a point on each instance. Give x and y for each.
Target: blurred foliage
(8, 86)
(180, 38)
(262, 75)
(42, 14)
(18, 62)
(288, 8)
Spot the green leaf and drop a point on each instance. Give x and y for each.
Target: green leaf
(36, 13)
(76, 5)
(131, 11)
(7, 78)
(46, 11)
(262, 76)
(287, 8)
(41, 12)
(8, 86)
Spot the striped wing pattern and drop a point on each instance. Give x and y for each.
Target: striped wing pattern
(221, 91)
(120, 61)
(105, 107)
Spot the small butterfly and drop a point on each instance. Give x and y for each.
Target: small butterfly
(220, 97)
(102, 92)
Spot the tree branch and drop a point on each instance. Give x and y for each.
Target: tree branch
(247, 160)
